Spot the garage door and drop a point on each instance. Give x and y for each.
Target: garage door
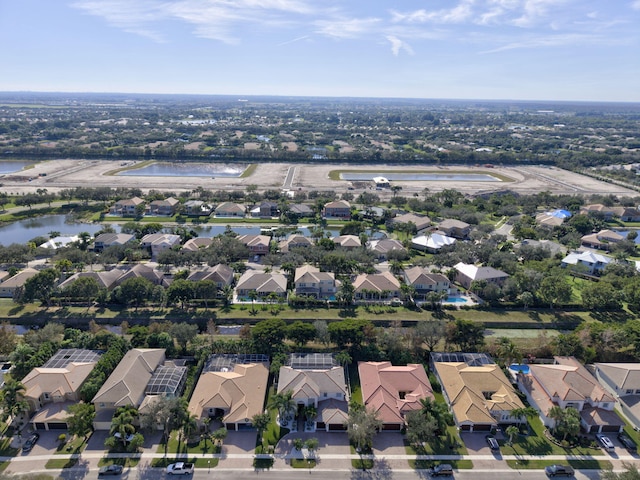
(336, 427)
(610, 428)
(57, 426)
(482, 428)
(392, 427)
(40, 426)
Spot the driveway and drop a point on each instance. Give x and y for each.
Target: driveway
(238, 443)
(386, 444)
(329, 444)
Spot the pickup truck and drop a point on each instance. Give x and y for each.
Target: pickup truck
(180, 468)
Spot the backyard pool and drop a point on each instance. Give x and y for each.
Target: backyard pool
(519, 368)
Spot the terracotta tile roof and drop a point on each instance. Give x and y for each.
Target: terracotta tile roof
(384, 385)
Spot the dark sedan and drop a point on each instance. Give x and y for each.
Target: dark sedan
(110, 470)
(31, 441)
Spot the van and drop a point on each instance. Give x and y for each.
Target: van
(606, 442)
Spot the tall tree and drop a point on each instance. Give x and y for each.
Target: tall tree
(80, 420)
(362, 425)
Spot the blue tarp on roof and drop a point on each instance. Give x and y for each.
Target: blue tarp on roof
(560, 213)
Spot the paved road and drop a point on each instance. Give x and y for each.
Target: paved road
(288, 181)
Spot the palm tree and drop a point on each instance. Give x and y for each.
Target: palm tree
(227, 295)
(219, 435)
(12, 402)
(556, 414)
(122, 424)
(260, 422)
(284, 403)
(512, 431)
(189, 427)
(253, 295)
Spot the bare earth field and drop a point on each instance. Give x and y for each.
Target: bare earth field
(60, 174)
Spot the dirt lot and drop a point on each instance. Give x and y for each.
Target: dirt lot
(59, 174)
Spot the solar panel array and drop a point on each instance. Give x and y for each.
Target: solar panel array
(167, 380)
(222, 362)
(471, 359)
(312, 361)
(65, 356)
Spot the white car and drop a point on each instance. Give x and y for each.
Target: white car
(606, 442)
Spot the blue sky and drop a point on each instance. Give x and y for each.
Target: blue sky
(469, 49)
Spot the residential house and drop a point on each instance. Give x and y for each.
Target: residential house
(383, 247)
(127, 384)
(420, 221)
(432, 242)
(546, 220)
(607, 213)
(229, 210)
(554, 247)
(197, 243)
(267, 209)
(468, 273)
(392, 391)
(9, 287)
(294, 241)
(4, 275)
(221, 275)
(197, 208)
(264, 284)
(159, 242)
(257, 244)
(231, 388)
(106, 240)
(348, 242)
(425, 282)
(106, 279)
(317, 380)
(301, 210)
(339, 209)
(592, 263)
(377, 287)
(53, 387)
(603, 240)
(630, 215)
(156, 277)
(478, 392)
(166, 207)
(622, 380)
(455, 228)
(128, 207)
(567, 383)
(311, 282)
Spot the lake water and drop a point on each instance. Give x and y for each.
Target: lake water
(166, 169)
(13, 166)
(25, 230)
(438, 177)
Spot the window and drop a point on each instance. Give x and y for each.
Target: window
(46, 396)
(629, 391)
(402, 395)
(638, 392)
(488, 395)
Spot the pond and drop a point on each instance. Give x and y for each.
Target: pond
(12, 166)
(166, 169)
(440, 177)
(25, 230)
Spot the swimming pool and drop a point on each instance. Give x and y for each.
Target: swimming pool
(456, 300)
(519, 367)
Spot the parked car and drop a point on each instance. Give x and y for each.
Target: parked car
(627, 442)
(493, 443)
(442, 470)
(127, 439)
(559, 471)
(606, 442)
(31, 441)
(110, 470)
(180, 468)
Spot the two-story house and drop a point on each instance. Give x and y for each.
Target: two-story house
(424, 282)
(53, 387)
(159, 242)
(197, 208)
(567, 383)
(263, 284)
(127, 207)
(166, 207)
(469, 273)
(455, 228)
(106, 240)
(340, 210)
(257, 244)
(316, 380)
(622, 380)
(382, 248)
(310, 281)
(377, 287)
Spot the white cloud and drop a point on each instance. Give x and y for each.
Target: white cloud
(550, 41)
(636, 5)
(397, 45)
(346, 28)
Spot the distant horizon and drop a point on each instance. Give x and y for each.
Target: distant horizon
(241, 96)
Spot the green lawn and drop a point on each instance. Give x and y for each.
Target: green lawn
(360, 463)
(76, 445)
(129, 462)
(538, 444)
(301, 463)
